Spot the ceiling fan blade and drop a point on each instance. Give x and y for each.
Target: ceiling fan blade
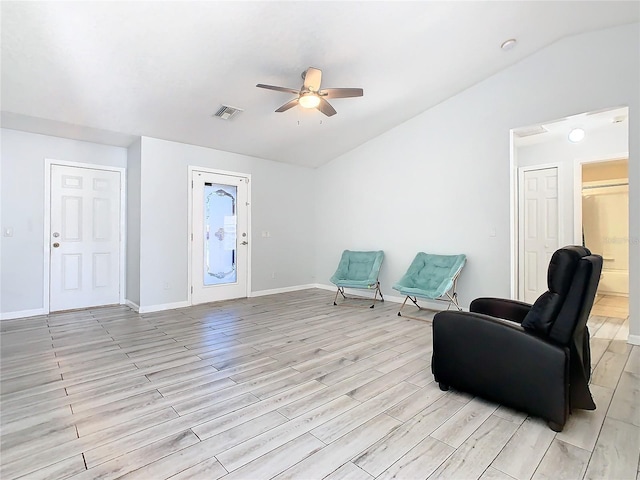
(326, 108)
(288, 105)
(278, 89)
(312, 79)
(341, 92)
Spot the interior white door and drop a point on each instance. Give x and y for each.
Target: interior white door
(84, 238)
(538, 229)
(219, 241)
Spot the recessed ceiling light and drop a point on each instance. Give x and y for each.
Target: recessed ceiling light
(508, 44)
(576, 135)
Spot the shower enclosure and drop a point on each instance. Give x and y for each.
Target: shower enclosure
(605, 229)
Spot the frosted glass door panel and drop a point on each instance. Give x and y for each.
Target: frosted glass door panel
(220, 239)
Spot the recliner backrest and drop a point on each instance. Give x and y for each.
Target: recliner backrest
(574, 314)
(572, 279)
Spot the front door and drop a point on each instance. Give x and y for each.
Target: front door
(219, 241)
(84, 238)
(538, 229)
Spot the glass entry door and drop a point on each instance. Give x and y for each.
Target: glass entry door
(220, 242)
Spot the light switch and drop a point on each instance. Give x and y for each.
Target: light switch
(8, 231)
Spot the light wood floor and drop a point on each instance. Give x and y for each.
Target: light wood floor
(611, 306)
(285, 386)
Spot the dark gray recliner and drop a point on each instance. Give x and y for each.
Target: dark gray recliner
(535, 358)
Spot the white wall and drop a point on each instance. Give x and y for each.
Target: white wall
(134, 165)
(440, 182)
(602, 143)
(22, 197)
(282, 196)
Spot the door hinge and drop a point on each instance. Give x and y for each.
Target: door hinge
(192, 237)
(191, 183)
(191, 289)
(246, 180)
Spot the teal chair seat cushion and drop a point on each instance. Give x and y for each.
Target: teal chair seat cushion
(430, 276)
(358, 269)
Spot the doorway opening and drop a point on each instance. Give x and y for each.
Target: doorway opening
(580, 146)
(602, 213)
(219, 235)
(84, 225)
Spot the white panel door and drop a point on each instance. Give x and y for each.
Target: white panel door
(219, 241)
(538, 229)
(84, 238)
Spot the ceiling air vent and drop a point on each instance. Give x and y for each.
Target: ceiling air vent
(530, 131)
(225, 112)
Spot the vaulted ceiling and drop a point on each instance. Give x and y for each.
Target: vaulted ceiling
(111, 71)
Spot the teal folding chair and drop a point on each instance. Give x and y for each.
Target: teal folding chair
(432, 277)
(358, 270)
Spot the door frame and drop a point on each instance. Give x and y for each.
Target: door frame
(191, 169)
(577, 188)
(48, 163)
(517, 244)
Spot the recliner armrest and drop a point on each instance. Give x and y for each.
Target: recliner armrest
(512, 310)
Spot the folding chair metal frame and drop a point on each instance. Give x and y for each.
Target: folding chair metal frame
(452, 298)
(375, 296)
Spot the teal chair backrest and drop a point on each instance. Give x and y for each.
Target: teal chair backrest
(432, 273)
(359, 267)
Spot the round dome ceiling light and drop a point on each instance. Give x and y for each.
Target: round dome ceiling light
(576, 135)
(309, 100)
(508, 44)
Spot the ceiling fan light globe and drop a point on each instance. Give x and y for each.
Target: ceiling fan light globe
(309, 100)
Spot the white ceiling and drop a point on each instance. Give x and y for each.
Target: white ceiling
(590, 122)
(110, 71)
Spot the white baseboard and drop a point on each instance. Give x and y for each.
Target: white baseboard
(132, 305)
(634, 339)
(325, 287)
(273, 291)
(162, 307)
(23, 314)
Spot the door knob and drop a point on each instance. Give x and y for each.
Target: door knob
(56, 245)
(244, 243)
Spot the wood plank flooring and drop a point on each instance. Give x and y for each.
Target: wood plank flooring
(285, 386)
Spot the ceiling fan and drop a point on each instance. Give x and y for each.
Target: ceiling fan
(310, 95)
